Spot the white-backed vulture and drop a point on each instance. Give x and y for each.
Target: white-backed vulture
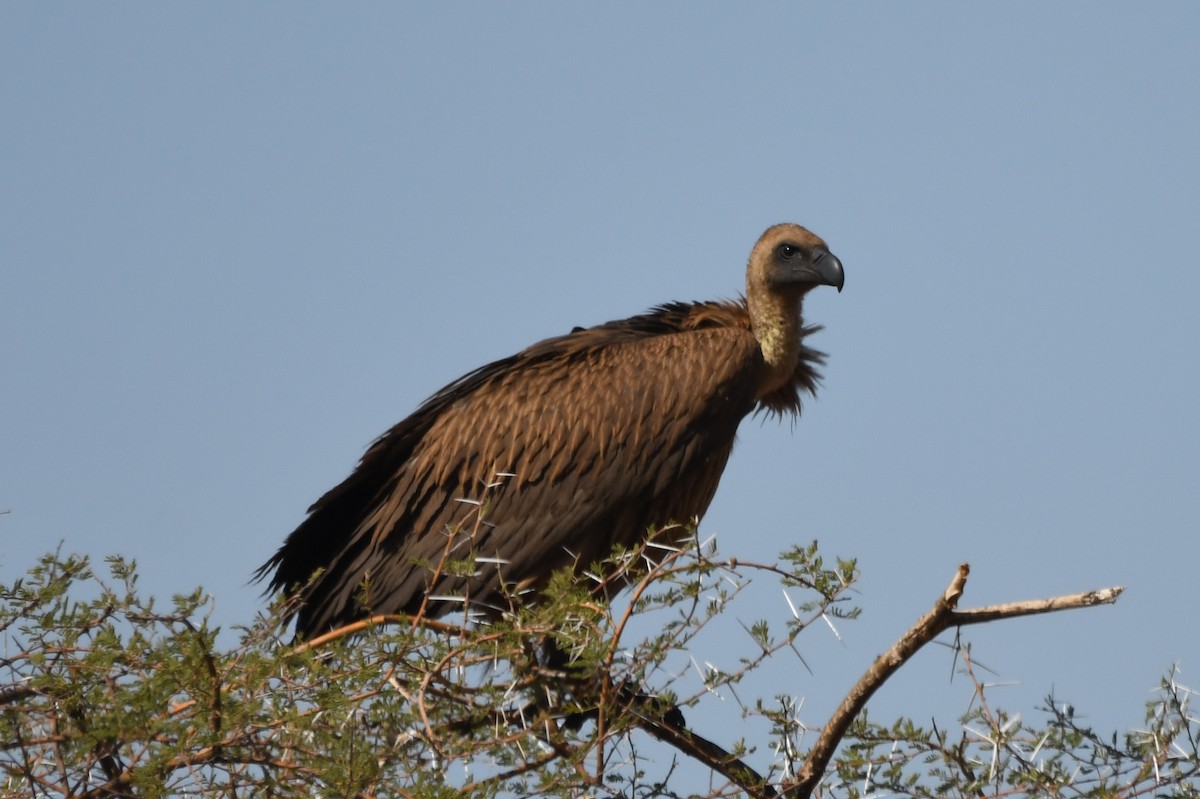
(576, 444)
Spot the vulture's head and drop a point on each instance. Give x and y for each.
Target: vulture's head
(787, 262)
(790, 260)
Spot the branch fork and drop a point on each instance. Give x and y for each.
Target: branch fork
(942, 616)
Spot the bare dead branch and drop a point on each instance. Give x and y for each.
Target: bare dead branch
(940, 618)
(1011, 610)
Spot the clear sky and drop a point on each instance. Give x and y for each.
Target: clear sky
(237, 242)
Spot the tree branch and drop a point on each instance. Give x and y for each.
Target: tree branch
(375, 621)
(711, 755)
(940, 618)
(944, 615)
(1011, 610)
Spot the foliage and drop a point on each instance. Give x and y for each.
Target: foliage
(997, 754)
(102, 693)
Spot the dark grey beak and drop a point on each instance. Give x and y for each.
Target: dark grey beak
(828, 269)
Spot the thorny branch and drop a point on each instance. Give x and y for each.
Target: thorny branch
(940, 618)
(510, 704)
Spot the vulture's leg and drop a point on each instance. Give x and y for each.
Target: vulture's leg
(553, 659)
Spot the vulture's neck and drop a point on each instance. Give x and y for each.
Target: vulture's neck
(777, 324)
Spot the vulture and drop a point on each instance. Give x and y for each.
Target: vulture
(553, 456)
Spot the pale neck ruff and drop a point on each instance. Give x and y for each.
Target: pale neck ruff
(777, 326)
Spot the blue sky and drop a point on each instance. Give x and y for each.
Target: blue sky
(240, 241)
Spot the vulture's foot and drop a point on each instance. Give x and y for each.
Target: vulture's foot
(579, 683)
(639, 702)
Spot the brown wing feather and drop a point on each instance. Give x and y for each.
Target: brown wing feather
(604, 432)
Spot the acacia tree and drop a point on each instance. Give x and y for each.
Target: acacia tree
(104, 693)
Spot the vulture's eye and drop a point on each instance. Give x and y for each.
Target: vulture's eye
(788, 250)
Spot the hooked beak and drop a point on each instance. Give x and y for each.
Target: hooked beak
(828, 269)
